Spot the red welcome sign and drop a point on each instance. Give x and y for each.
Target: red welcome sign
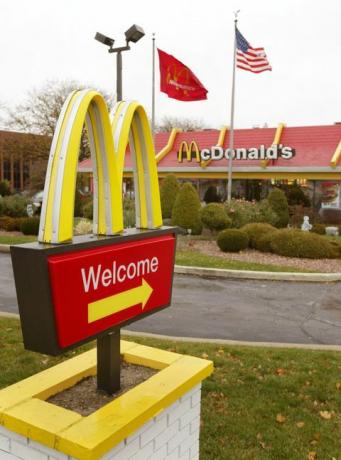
(96, 289)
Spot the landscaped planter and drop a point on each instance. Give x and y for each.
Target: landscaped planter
(158, 419)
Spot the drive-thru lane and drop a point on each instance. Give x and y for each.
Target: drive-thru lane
(265, 311)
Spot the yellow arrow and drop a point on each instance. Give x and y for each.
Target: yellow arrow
(118, 302)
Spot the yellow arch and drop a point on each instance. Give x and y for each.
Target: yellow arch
(220, 143)
(336, 156)
(130, 123)
(276, 141)
(188, 149)
(168, 147)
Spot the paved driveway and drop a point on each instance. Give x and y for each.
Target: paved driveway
(265, 311)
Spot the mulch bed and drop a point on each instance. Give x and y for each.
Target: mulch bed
(84, 397)
(250, 255)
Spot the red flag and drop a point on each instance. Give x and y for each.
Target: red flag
(178, 81)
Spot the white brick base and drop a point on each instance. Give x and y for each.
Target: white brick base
(173, 434)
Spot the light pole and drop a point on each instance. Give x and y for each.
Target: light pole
(108, 346)
(133, 34)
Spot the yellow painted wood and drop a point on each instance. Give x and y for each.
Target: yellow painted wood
(54, 379)
(96, 434)
(151, 357)
(88, 438)
(336, 156)
(39, 420)
(169, 146)
(49, 381)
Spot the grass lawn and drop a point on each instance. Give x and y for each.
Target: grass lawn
(16, 239)
(260, 403)
(333, 238)
(197, 259)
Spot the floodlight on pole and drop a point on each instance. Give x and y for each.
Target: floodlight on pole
(104, 39)
(133, 35)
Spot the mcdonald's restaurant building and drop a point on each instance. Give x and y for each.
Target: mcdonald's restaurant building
(314, 163)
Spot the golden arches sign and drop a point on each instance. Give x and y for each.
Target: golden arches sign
(108, 143)
(188, 150)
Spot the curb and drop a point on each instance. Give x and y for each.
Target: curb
(242, 343)
(243, 274)
(257, 275)
(4, 248)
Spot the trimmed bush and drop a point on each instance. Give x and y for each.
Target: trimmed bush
(214, 217)
(232, 240)
(186, 210)
(197, 229)
(336, 246)
(88, 210)
(256, 231)
(11, 224)
(296, 196)
(168, 192)
(279, 204)
(14, 206)
(30, 226)
(263, 243)
(128, 213)
(5, 188)
(243, 212)
(77, 212)
(295, 243)
(320, 229)
(211, 195)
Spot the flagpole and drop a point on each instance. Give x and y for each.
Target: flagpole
(153, 86)
(231, 143)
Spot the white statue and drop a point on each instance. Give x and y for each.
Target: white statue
(29, 210)
(306, 226)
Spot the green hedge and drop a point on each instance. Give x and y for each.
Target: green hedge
(279, 204)
(263, 243)
(168, 192)
(320, 229)
(214, 217)
(88, 210)
(186, 210)
(211, 195)
(232, 240)
(243, 212)
(256, 231)
(11, 224)
(295, 243)
(5, 188)
(14, 206)
(30, 226)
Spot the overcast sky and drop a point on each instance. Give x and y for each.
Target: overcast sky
(42, 40)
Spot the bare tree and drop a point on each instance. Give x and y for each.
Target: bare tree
(186, 124)
(39, 112)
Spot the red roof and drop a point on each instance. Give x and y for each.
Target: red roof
(314, 147)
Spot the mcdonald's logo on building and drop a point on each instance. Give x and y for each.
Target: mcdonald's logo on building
(190, 150)
(70, 290)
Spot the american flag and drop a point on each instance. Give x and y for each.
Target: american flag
(249, 58)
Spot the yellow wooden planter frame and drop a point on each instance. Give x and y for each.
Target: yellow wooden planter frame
(24, 410)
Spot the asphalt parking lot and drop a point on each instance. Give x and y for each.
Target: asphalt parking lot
(264, 311)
